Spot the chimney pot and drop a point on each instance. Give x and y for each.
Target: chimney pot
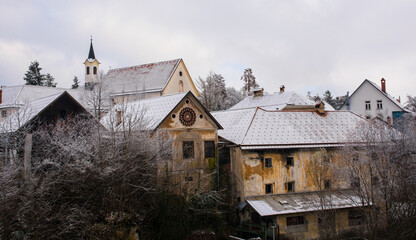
(258, 92)
(1, 96)
(282, 88)
(383, 85)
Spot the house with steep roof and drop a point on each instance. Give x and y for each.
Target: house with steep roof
(271, 156)
(192, 130)
(371, 101)
(17, 140)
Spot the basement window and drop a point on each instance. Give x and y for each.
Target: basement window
(298, 220)
(268, 162)
(188, 149)
(209, 147)
(269, 188)
(289, 161)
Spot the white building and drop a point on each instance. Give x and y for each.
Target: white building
(371, 101)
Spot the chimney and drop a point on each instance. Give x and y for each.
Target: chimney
(399, 100)
(383, 85)
(1, 96)
(282, 88)
(258, 92)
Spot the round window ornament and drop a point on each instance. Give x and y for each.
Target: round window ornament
(187, 116)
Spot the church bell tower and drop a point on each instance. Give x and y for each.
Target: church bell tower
(91, 69)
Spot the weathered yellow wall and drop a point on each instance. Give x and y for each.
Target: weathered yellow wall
(313, 229)
(199, 167)
(173, 84)
(255, 175)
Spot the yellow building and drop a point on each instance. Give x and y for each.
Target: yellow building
(277, 161)
(192, 129)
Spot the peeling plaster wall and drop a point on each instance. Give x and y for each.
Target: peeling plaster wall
(255, 175)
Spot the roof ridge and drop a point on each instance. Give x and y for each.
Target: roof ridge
(177, 59)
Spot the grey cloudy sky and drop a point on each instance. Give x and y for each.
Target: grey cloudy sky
(306, 45)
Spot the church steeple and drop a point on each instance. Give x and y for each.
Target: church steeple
(91, 69)
(91, 55)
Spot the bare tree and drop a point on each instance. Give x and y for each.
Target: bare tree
(213, 91)
(249, 81)
(97, 97)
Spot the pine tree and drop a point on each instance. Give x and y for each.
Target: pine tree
(328, 98)
(76, 83)
(50, 81)
(249, 81)
(33, 75)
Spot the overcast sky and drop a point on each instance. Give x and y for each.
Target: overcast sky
(305, 45)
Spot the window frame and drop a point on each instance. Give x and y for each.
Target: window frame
(211, 154)
(88, 70)
(379, 104)
(292, 161)
(268, 162)
(367, 105)
(295, 220)
(94, 70)
(292, 184)
(188, 152)
(270, 186)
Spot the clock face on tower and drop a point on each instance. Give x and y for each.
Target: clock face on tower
(187, 116)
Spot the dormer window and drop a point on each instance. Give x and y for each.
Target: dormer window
(95, 70)
(88, 70)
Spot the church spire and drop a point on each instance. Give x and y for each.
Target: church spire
(91, 55)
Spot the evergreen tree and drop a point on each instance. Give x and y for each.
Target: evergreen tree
(249, 81)
(50, 81)
(213, 92)
(33, 75)
(328, 98)
(76, 83)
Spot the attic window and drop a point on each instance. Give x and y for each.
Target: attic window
(180, 73)
(367, 105)
(379, 104)
(187, 101)
(180, 86)
(201, 116)
(173, 115)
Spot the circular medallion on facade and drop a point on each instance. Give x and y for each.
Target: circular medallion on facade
(187, 116)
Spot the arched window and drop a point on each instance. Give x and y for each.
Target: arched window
(88, 70)
(95, 70)
(180, 86)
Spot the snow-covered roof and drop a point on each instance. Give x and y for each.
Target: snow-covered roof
(27, 112)
(143, 78)
(289, 203)
(21, 94)
(276, 101)
(263, 129)
(150, 112)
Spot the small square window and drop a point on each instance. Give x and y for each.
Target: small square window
(290, 186)
(4, 113)
(268, 162)
(189, 179)
(188, 149)
(269, 188)
(367, 105)
(289, 161)
(379, 104)
(327, 184)
(209, 147)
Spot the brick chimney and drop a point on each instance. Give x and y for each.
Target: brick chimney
(258, 92)
(282, 88)
(383, 85)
